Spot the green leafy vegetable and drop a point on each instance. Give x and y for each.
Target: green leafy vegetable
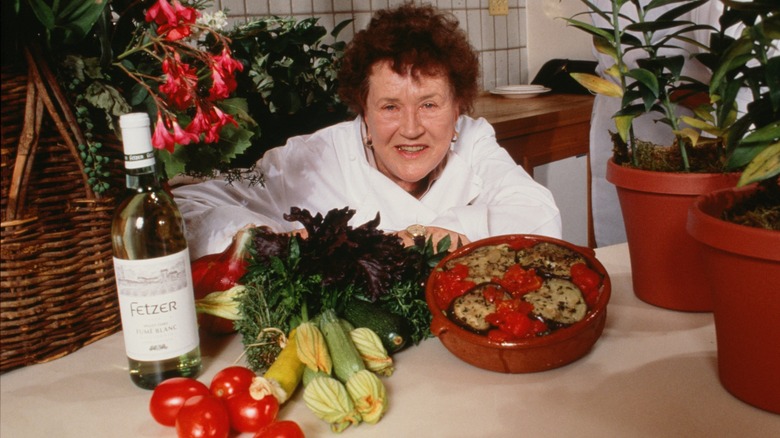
(290, 279)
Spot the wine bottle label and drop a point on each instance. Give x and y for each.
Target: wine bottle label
(157, 306)
(136, 161)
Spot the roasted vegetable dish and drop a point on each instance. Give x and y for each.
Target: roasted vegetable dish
(515, 290)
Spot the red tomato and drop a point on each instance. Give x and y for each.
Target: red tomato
(451, 284)
(169, 396)
(248, 414)
(588, 281)
(281, 429)
(203, 416)
(518, 281)
(584, 277)
(231, 380)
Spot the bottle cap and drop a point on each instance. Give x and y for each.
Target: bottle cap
(136, 140)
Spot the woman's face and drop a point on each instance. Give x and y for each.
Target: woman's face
(411, 123)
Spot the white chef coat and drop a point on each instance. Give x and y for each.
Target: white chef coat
(480, 192)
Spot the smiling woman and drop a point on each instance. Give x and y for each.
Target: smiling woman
(410, 156)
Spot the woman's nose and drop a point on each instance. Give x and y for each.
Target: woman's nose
(411, 126)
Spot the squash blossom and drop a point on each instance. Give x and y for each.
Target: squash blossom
(329, 400)
(368, 394)
(312, 349)
(221, 304)
(372, 351)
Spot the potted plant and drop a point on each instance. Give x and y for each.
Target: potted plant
(739, 228)
(656, 183)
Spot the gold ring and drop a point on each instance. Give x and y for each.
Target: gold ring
(416, 230)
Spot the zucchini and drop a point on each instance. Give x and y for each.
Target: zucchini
(392, 329)
(344, 355)
(309, 375)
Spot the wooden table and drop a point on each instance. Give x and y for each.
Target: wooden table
(541, 129)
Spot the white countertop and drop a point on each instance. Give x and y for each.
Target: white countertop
(653, 373)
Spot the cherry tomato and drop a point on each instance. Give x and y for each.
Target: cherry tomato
(281, 429)
(248, 414)
(169, 396)
(231, 380)
(203, 416)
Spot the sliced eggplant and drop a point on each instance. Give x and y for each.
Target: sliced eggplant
(549, 259)
(487, 262)
(470, 309)
(558, 300)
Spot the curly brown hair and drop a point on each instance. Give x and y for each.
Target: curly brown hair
(416, 40)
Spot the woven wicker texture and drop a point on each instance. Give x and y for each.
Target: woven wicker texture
(57, 290)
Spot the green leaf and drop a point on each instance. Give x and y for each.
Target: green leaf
(701, 125)
(603, 45)
(591, 29)
(690, 134)
(660, 3)
(735, 57)
(339, 27)
(767, 134)
(764, 166)
(107, 98)
(44, 13)
(654, 26)
(172, 164)
(646, 78)
(75, 19)
(675, 12)
(623, 125)
(597, 84)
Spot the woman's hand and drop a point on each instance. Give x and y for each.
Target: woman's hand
(435, 233)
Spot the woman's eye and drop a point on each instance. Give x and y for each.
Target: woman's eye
(429, 105)
(389, 107)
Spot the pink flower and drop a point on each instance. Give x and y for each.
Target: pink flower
(218, 119)
(161, 12)
(162, 139)
(219, 88)
(223, 75)
(181, 82)
(174, 21)
(182, 137)
(200, 123)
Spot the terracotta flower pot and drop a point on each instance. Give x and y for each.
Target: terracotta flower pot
(665, 260)
(743, 268)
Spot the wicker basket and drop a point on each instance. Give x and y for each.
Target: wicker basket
(57, 290)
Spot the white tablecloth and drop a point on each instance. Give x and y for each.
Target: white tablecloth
(653, 373)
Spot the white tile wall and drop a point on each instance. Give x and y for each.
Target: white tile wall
(500, 40)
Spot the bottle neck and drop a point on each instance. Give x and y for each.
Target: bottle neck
(142, 178)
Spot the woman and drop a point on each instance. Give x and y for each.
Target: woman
(411, 154)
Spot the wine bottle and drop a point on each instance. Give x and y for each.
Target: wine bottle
(152, 269)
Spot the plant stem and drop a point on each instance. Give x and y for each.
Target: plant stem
(618, 34)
